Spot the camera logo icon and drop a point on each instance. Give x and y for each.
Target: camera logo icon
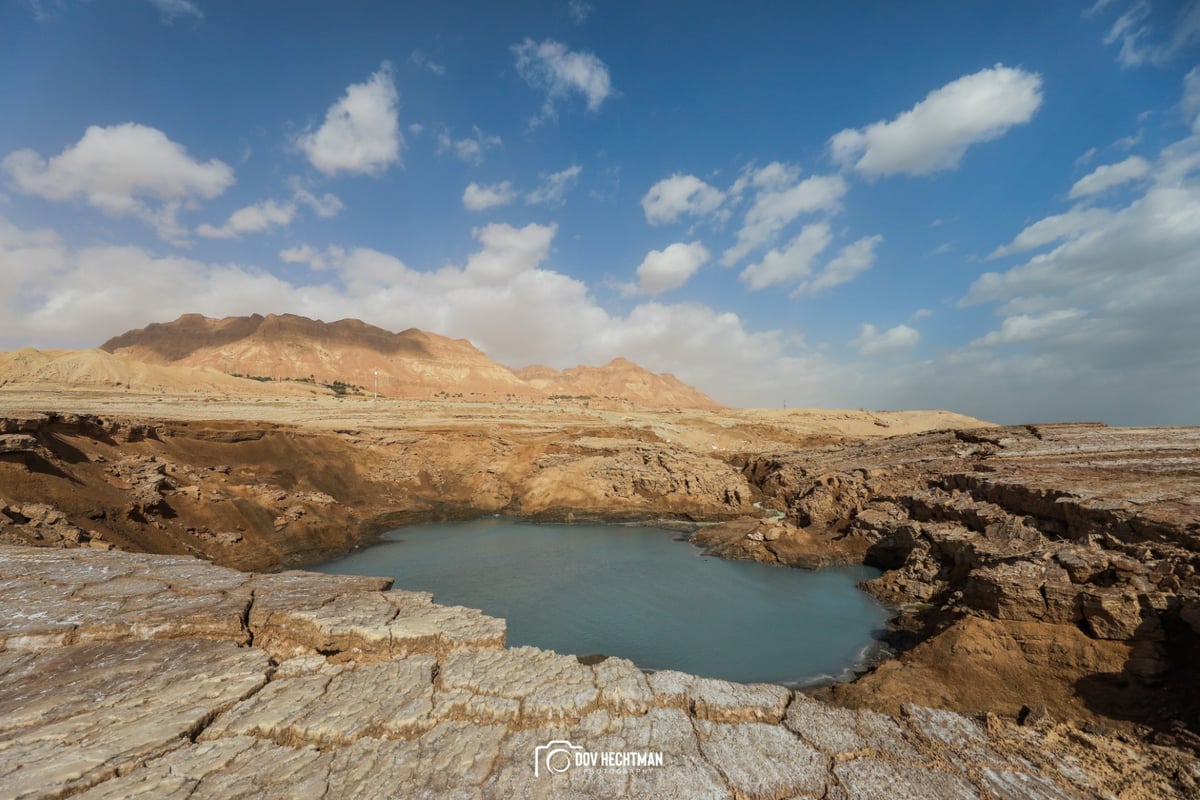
(555, 757)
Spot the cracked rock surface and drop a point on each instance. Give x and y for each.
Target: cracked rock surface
(126, 675)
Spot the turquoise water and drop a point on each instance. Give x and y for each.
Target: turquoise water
(636, 592)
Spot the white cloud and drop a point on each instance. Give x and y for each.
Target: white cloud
(552, 68)
(1140, 43)
(477, 197)
(469, 149)
(935, 133)
(670, 268)
(672, 197)
(854, 259)
(423, 61)
(303, 254)
(174, 9)
(579, 11)
(1029, 327)
(778, 203)
(553, 187)
(361, 133)
(774, 176)
(891, 342)
(1097, 7)
(1068, 225)
(119, 170)
(272, 214)
(791, 263)
(251, 219)
(326, 206)
(1107, 176)
(1149, 244)
(27, 256)
(1106, 314)
(503, 299)
(1191, 98)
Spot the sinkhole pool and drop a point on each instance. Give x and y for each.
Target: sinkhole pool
(637, 592)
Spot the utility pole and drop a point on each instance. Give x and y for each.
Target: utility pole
(375, 393)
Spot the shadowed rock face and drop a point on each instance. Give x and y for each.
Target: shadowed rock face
(1057, 555)
(265, 496)
(154, 676)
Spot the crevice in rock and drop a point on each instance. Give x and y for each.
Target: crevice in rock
(246, 620)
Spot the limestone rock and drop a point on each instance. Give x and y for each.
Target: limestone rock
(122, 703)
(183, 716)
(1114, 613)
(761, 760)
(387, 700)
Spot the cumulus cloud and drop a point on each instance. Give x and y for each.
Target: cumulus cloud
(673, 197)
(303, 254)
(251, 219)
(1029, 327)
(26, 256)
(269, 214)
(88, 294)
(478, 197)
(1054, 228)
(854, 259)
(127, 169)
(792, 262)
(891, 342)
(553, 187)
(325, 206)
(361, 133)
(552, 68)
(1107, 310)
(671, 267)
(935, 133)
(1141, 41)
(469, 149)
(781, 198)
(1106, 176)
(503, 298)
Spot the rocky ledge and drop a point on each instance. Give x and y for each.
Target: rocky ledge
(1038, 568)
(132, 675)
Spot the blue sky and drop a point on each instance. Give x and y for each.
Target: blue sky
(991, 207)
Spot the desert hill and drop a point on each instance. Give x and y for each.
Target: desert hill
(410, 364)
(95, 369)
(618, 378)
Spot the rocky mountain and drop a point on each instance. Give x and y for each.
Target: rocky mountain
(409, 364)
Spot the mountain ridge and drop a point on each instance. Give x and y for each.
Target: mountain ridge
(411, 364)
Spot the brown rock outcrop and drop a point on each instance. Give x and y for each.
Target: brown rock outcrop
(271, 495)
(1033, 529)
